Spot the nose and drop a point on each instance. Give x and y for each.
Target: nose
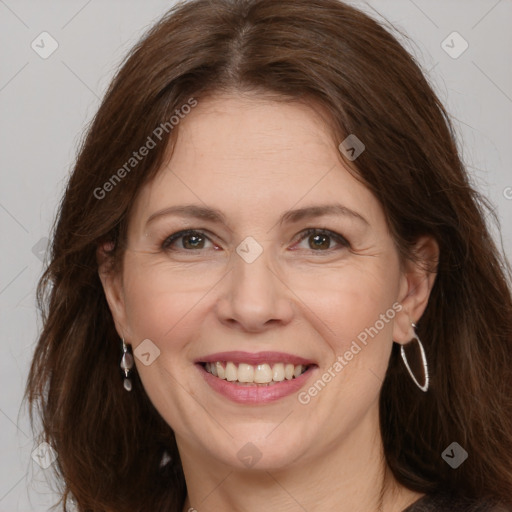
(253, 296)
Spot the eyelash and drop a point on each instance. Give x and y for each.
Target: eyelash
(166, 245)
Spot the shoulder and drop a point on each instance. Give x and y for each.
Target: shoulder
(444, 502)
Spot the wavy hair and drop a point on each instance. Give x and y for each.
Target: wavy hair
(110, 443)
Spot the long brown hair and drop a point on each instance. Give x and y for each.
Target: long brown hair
(110, 442)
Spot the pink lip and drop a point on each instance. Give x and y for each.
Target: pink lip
(256, 394)
(238, 357)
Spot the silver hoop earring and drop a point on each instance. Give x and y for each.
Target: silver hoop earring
(423, 361)
(126, 365)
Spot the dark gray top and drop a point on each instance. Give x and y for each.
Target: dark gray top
(441, 502)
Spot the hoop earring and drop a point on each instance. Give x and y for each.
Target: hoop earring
(126, 365)
(423, 361)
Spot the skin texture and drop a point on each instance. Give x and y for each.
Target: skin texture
(254, 159)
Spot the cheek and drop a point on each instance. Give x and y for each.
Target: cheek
(359, 307)
(164, 307)
(346, 303)
(159, 300)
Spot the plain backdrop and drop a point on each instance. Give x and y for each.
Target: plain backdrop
(45, 104)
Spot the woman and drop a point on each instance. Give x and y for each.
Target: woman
(270, 230)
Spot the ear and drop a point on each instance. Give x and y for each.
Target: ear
(416, 283)
(113, 288)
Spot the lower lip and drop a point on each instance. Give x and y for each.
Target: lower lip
(256, 394)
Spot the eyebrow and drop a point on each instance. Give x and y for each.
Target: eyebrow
(290, 216)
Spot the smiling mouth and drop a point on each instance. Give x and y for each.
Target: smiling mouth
(265, 374)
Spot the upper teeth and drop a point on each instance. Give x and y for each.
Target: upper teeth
(259, 374)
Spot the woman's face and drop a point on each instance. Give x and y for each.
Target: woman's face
(254, 291)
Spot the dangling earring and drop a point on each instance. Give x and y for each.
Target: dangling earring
(423, 361)
(126, 365)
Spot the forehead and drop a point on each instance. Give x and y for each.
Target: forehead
(252, 157)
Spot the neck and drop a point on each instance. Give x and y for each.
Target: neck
(351, 475)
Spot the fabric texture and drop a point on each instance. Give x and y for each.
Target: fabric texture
(442, 502)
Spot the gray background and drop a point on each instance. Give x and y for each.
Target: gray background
(45, 104)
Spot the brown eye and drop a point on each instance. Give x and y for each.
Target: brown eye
(191, 240)
(319, 240)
